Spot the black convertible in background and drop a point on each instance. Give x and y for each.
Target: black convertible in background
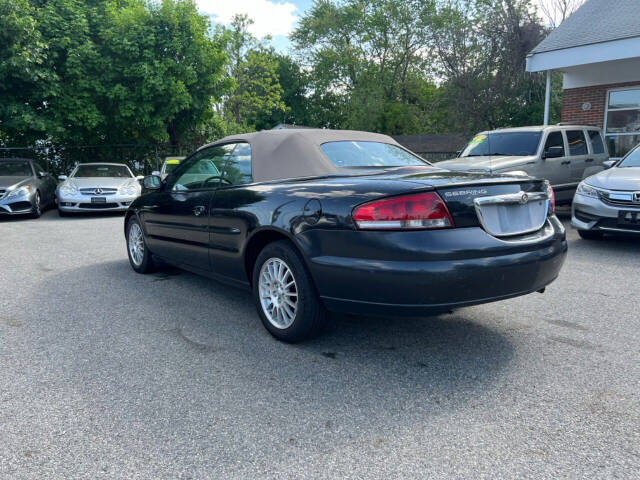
(316, 220)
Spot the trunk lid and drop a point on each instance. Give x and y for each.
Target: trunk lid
(510, 205)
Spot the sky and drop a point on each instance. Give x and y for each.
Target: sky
(271, 17)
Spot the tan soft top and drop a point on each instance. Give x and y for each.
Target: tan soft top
(295, 153)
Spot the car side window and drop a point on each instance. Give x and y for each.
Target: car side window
(238, 169)
(554, 147)
(577, 142)
(596, 142)
(202, 170)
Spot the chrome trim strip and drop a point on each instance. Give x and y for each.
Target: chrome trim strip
(511, 198)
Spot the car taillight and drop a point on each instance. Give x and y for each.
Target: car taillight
(552, 198)
(408, 212)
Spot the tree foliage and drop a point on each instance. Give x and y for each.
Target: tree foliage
(122, 71)
(155, 71)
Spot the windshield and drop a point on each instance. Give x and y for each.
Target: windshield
(111, 171)
(631, 160)
(503, 143)
(170, 166)
(368, 154)
(15, 169)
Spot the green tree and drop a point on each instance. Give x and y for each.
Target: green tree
(295, 88)
(481, 46)
(254, 69)
(373, 57)
(23, 77)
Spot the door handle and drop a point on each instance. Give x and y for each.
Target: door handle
(566, 162)
(199, 210)
(589, 160)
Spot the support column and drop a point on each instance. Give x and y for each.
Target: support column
(547, 98)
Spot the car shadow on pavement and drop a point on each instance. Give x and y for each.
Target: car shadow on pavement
(186, 320)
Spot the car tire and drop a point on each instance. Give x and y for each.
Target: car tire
(280, 279)
(140, 257)
(590, 234)
(36, 209)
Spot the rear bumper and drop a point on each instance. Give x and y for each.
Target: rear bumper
(589, 213)
(418, 273)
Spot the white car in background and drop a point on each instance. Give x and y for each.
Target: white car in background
(609, 202)
(107, 187)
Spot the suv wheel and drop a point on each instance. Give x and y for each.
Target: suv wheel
(285, 295)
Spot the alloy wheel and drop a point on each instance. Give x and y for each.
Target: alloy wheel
(136, 244)
(278, 292)
(37, 207)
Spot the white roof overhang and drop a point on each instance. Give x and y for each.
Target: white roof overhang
(584, 54)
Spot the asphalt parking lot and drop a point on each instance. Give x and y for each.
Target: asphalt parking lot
(105, 373)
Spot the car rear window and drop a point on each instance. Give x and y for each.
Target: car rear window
(352, 154)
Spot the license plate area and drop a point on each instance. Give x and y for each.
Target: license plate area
(514, 214)
(629, 218)
(98, 199)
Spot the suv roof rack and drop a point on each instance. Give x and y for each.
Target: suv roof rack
(570, 124)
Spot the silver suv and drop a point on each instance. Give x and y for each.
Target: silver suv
(562, 154)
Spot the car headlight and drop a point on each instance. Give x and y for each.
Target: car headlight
(128, 190)
(19, 192)
(69, 189)
(587, 190)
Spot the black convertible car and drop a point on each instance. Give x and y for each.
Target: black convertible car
(316, 220)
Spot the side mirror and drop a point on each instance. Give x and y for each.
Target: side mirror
(156, 173)
(42, 174)
(553, 152)
(62, 177)
(609, 163)
(140, 177)
(152, 182)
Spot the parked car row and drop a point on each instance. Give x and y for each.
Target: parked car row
(322, 220)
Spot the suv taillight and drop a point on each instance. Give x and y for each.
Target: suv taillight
(408, 212)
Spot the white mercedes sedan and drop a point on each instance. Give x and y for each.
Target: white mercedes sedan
(107, 187)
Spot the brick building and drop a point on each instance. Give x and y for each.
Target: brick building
(598, 51)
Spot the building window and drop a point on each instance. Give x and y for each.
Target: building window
(622, 121)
